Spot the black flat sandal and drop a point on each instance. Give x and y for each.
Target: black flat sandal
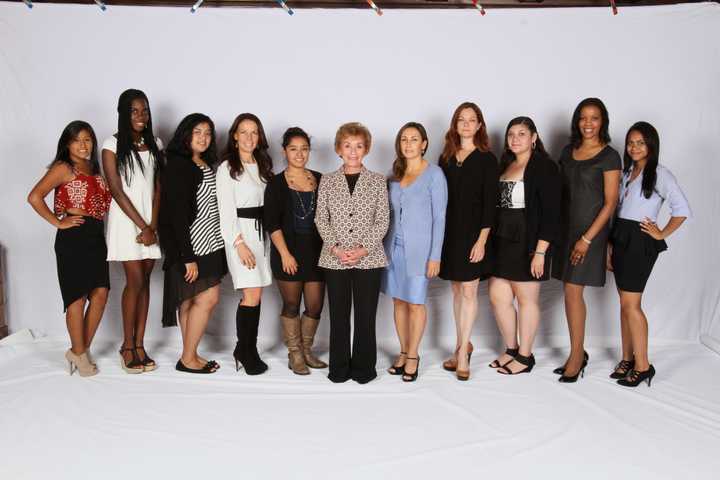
(508, 351)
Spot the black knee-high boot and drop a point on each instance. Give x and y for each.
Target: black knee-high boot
(247, 320)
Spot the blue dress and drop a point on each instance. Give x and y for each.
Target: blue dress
(415, 236)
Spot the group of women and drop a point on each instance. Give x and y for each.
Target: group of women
(356, 232)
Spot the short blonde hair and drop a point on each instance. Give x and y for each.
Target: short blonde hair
(353, 129)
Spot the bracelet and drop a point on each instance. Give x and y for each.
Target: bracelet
(582, 237)
(539, 253)
(145, 228)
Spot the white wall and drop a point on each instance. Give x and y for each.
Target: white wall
(320, 68)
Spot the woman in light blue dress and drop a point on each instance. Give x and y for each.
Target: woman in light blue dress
(418, 199)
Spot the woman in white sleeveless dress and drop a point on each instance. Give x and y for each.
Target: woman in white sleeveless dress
(131, 159)
(241, 181)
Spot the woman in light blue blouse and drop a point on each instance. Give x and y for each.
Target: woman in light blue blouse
(418, 199)
(637, 240)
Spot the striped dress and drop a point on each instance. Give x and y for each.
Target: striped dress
(205, 235)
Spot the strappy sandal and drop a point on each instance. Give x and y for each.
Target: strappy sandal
(148, 363)
(399, 369)
(411, 377)
(622, 369)
(133, 366)
(508, 351)
(528, 361)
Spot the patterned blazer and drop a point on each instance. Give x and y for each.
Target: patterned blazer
(348, 221)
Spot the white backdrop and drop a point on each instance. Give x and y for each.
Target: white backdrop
(320, 68)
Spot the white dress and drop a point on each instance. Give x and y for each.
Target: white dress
(121, 231)
(244, 192)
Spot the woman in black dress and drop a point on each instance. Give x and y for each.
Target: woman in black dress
(590, 170)
(527, 220)
(289, 217)
(472, 175)
(189, 227)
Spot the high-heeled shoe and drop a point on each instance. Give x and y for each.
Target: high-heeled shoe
(80, 364)
(400, 369)
(572, 379)
(133, 366)
(508, 351)
(451, 363)
(635, 378)
(561, 370)
(147, 363)
(411, 377)
(622, 369)
(528, 361)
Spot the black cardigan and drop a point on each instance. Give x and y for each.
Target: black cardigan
(178, 208)
(542, 200)
(278, 215)
(471, 207)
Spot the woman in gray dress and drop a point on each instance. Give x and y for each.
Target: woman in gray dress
(590, 170)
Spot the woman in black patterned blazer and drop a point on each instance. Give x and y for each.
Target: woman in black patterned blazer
(352, 218)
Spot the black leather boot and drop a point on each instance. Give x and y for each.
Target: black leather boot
(246, 323)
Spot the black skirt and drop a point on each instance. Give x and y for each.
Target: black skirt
(81, 256)
(307, 255)
(633, 255)
(510, 245)
(211, 269)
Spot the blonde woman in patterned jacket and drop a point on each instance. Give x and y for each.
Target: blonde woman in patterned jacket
(352, 218)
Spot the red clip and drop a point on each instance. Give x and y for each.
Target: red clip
(614, 7)
(479, 7)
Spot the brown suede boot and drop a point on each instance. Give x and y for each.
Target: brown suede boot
(291, 336)
(309, 326)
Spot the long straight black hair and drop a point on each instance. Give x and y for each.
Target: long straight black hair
(126, 152)
(179, 145)
(508, 156)
(69, 134)
(652, 142)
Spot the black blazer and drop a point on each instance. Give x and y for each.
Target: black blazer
(278, 215)
(542, 200)
(178, 208)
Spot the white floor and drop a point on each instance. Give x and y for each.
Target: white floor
(169, 425)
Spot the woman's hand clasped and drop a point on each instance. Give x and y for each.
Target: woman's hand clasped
(651, 228)
(350, 257)
(147, 237)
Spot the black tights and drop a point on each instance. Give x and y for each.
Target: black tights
(313, 294)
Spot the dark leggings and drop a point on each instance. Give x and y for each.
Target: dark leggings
(313, 294)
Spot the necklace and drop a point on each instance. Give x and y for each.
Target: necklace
(306, 211)
(140, 142)
(308, 176)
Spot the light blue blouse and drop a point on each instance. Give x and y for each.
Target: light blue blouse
(634, 205)
(418, 215)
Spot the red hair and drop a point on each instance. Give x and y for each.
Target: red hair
(452, 139)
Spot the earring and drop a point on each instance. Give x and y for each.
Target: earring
(533, 145)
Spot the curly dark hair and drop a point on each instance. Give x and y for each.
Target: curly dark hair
(179, 145)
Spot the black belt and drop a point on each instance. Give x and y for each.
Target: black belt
(257, 214)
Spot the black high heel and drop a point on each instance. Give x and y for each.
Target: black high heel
(398, 370)
(635, 378)
(508, 351)
(411, 377)
(581, 373)
(561, 370)
(528, 361)
(622, 369)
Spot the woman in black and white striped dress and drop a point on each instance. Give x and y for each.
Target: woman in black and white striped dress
(189, 226)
